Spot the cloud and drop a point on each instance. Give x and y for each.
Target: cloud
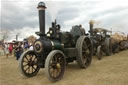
(18, 15)
(22, 16)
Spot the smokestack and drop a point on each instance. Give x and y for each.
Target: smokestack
(41, 8)
(54, 24)
(17, 37)
(127, 37)
(91, 27)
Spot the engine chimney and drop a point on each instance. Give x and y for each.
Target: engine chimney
(127, 37)
(91, 27)
(41, 8)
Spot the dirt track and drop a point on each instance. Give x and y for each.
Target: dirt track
(111, 70)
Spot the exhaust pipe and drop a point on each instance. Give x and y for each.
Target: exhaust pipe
(91, 27)
(127, 37)
(41, 8)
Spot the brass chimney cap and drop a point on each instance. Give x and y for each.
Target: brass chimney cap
(91, 22)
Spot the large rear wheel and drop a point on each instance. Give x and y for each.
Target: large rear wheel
(55, 65)
(84, 48)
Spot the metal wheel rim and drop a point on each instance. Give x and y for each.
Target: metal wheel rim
(84, 56)
(86, 51)
(57, 66)
(29, 64)
(110, 46)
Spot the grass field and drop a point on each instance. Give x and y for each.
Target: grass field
(111, 70)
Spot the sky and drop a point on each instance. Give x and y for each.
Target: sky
(21, 16)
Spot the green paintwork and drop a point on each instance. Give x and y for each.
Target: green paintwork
(57, 45)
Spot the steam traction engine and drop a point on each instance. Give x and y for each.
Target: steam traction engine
(101, 41)
(55, 49)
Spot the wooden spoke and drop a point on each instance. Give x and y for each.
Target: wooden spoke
(25, 65)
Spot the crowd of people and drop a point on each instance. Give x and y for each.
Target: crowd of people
(16, 49)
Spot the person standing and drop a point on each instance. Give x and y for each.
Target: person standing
(22, 46)
(26, 46)
(2, 50)
(18, 51)
(10, 50)
(6, 49)
(31, 47)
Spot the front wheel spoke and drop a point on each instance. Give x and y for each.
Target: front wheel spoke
(26, 58)
(32, 70)
(34, 67)
(25, 61)
(27, 68)
(35, 62)
(25, 65)
(31, 57)
(34, 59)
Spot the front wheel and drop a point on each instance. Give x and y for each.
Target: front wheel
(28, 63)
(55, 65)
